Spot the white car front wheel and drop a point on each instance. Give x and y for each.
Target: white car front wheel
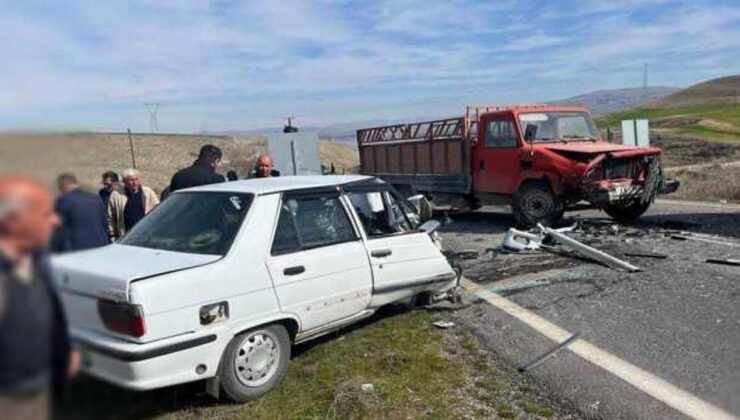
(254, 362)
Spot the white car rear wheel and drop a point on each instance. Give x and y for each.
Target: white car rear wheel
(255, 362)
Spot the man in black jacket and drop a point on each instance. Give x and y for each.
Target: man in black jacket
(202, 172)
(35, 356)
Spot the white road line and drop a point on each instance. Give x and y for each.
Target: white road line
(648, 383)
(727, 206)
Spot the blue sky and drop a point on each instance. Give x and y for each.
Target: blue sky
(227, 65)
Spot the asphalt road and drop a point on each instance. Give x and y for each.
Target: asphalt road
(679, 319)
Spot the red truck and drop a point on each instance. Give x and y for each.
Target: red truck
(539, 159)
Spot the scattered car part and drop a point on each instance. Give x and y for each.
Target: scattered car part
(656, 255)
(590, 252)
(726, 261)
(517, 240)
(443, 324)
(525, 366)
(685, 236)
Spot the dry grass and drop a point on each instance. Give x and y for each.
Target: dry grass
(88, 155)
(709, 184)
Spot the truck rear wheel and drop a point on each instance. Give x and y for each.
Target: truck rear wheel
(534, 203)
(626, 213)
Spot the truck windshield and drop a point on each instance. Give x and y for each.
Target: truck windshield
(196, 223)
(551, 126)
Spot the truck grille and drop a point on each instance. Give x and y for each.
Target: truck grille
(621, 168)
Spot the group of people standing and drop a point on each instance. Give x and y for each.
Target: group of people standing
(90, 221)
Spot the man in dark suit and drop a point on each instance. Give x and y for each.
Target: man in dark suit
(83, 217)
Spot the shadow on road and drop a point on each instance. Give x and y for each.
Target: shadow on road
(478, 221)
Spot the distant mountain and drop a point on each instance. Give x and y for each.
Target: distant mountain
(607, 101)
(599, 102)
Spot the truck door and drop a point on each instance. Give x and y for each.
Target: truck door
(317, 261)
(404, 260)
(496, 157)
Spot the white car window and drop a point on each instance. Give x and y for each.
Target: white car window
(307, 222)
(380, 213)
(192, 222)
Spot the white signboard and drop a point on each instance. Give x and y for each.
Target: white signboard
(295, 153)
(636, 133)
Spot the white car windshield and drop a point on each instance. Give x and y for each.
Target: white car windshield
(197, 223)
(552, 126)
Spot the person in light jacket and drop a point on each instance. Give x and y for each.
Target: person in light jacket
(130, 204)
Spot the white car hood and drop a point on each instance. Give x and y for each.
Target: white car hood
(106, 272)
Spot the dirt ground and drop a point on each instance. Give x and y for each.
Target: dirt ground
(88, 155)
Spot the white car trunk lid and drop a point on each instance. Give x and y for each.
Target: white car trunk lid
(106, 272)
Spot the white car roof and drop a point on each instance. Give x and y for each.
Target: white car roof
(259, 186)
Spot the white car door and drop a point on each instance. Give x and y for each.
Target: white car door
(317, 261)
(404, 260)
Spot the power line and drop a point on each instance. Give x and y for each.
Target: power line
(153, 108)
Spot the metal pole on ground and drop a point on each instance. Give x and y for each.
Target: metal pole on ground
(131, 147)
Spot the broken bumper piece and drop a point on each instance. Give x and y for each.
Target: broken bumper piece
(669, 186)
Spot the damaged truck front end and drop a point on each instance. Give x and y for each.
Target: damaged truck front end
(624, 183)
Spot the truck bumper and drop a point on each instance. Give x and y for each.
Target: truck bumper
(669, 186)
(162, 363)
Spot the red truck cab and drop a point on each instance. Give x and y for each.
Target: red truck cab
(540, 159)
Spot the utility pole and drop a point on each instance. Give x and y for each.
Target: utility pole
(645, 83)
(131, 147)
(153, 108)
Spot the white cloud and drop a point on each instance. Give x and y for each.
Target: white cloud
(221, 61)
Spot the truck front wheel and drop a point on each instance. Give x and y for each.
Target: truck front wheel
(626, 213)
(534, 203)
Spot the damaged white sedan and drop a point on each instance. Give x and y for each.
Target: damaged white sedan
(219, 281)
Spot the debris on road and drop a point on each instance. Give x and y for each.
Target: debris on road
(443, 324)
(525, 366)
(517, 240)
(588, 251)
(467, 255)
(646, 255)
(726, 261)
(685, 236)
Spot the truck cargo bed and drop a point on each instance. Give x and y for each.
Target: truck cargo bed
(428, 156)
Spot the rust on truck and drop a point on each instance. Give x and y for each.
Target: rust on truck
(540, 159)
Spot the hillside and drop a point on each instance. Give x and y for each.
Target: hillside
(724, 90)
(606, 101)
(157, 156)
(708, 110)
